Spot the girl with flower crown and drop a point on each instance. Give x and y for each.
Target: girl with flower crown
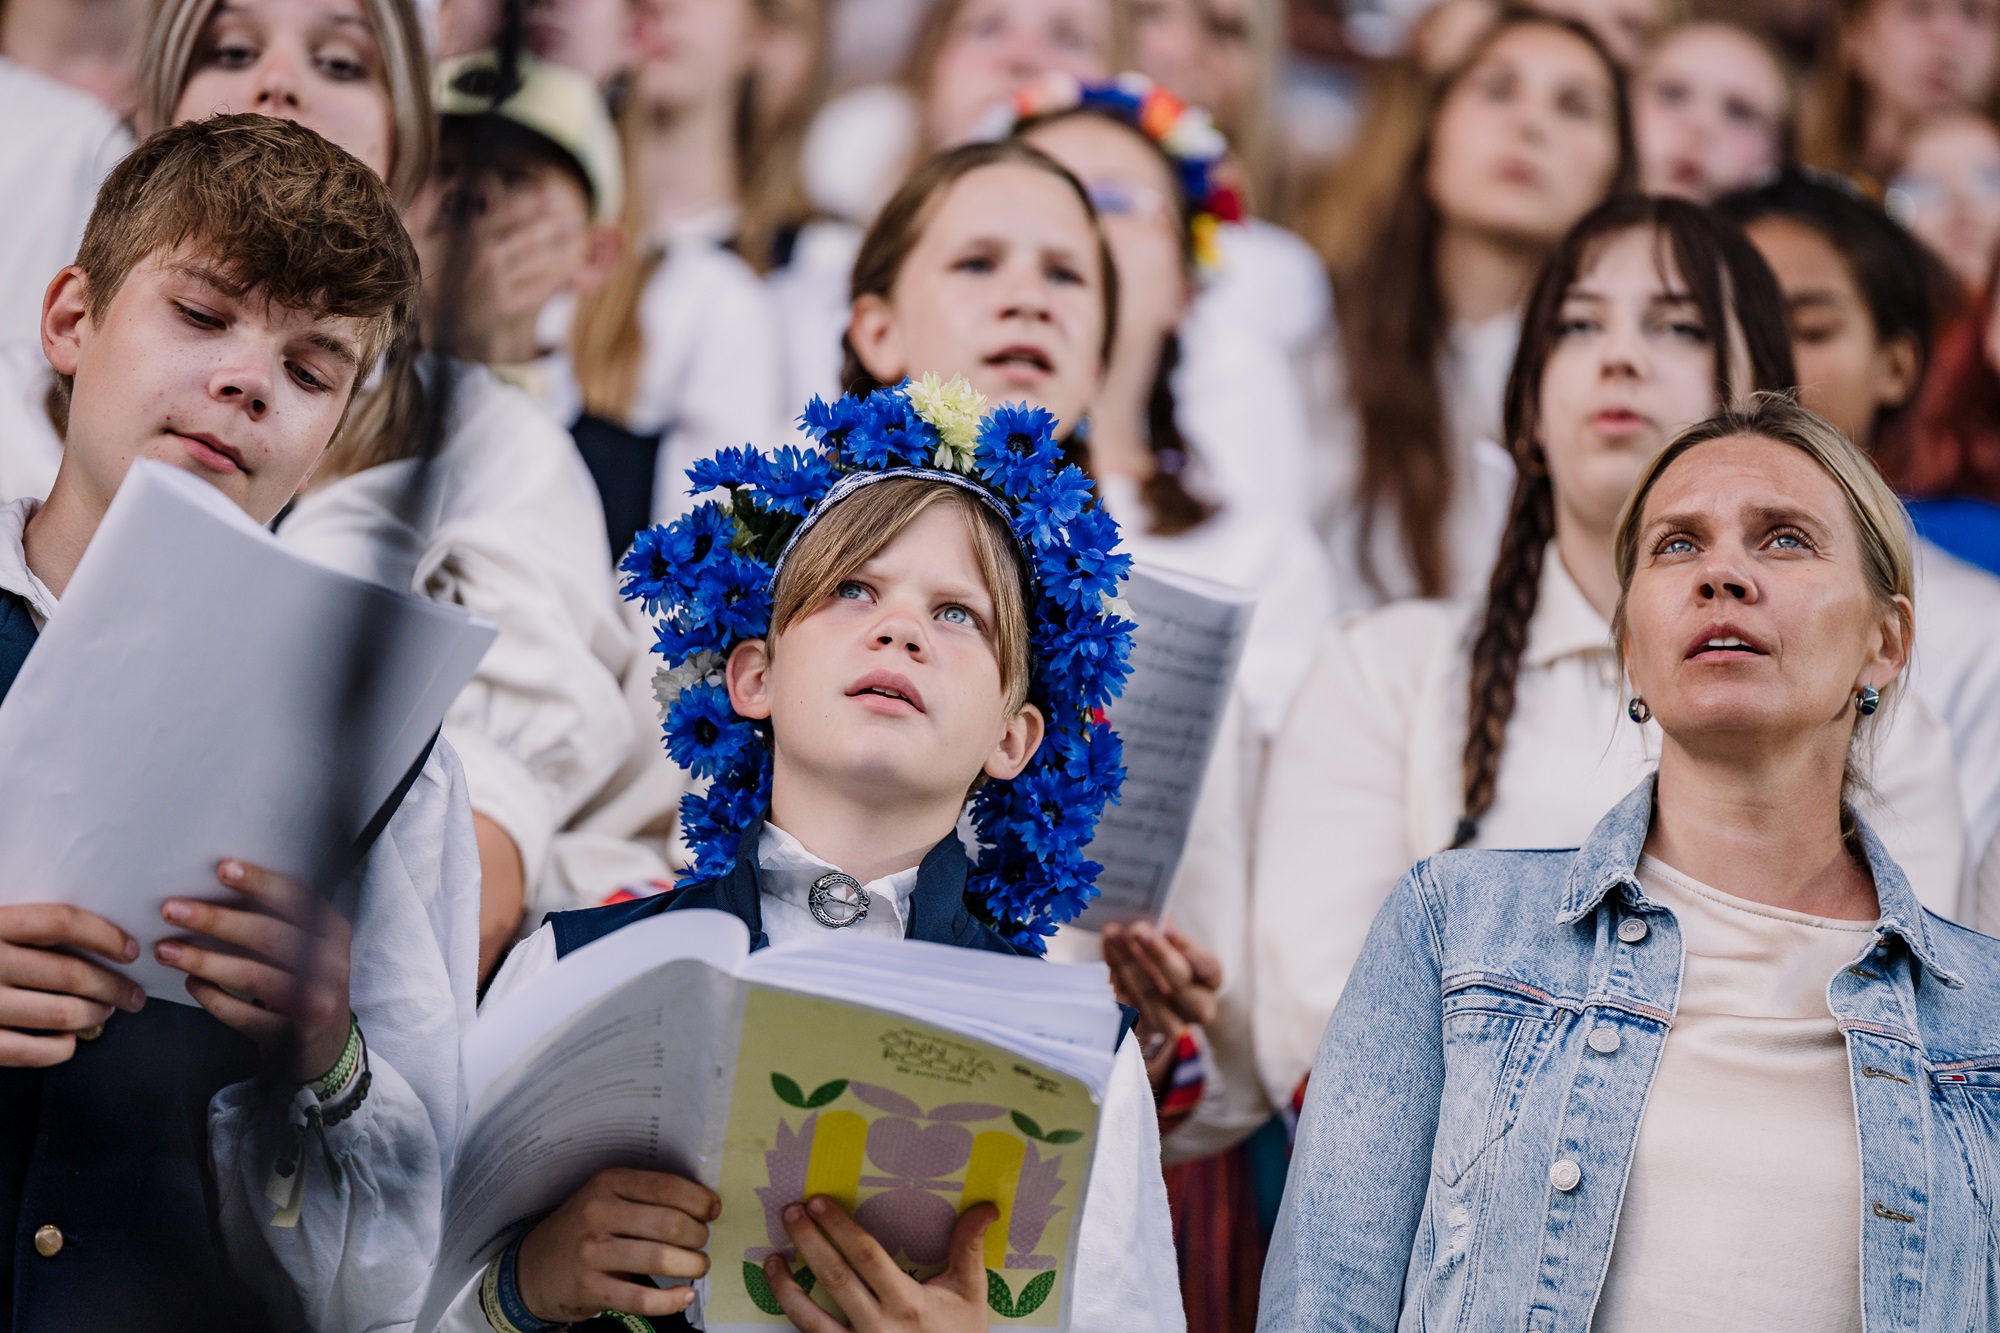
(860, 636)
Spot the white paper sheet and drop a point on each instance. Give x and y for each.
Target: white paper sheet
(1184, 656)
(180, 707)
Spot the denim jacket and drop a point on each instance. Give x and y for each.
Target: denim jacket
(1463, 1151)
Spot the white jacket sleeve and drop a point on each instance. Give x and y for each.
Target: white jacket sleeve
(1126, 1276)
(359, 1252)
(1335, 831)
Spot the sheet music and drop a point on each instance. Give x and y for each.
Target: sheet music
(181, 706)
(1184, 656)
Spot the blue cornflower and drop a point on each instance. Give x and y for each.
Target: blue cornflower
(892, 434)
(736, 598)
(1087, 568)
(830, 423)
(726, 469)
(1047, 510)
(1017, 448)
(796, 479)
(1087, 663)
(684, 631)
(654, 572)
(705, 734)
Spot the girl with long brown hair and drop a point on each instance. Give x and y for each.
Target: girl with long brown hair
(1523, 139)
(1425, 725)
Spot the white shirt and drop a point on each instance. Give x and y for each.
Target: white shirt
(1743, 1207)
(1365, 779)
(360, 1255)
(710, 376)
(809, 297)
(1472, 376)
(515, 532)
(1126, 1276)
(58, 147)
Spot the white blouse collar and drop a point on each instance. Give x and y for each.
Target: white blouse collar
(15, 576)
(788, 871)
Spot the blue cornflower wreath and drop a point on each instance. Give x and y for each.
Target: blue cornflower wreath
(707, 578)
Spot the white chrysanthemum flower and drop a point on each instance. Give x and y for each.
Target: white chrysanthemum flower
(1119, 607)
(669, 682)
(954, 408)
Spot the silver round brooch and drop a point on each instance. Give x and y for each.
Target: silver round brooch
(837, 900)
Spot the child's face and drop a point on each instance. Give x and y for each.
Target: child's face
(312, 61)
(1004, 288)
(892, 685)
(527, 223)
(1708, 113)
(996, 46)
(244, 394)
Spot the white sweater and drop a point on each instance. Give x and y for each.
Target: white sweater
(514, 532)
(1365, 780)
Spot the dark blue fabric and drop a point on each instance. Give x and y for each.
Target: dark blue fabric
(1968, 528)
(623, 465)
(17, 636)
(938, 913)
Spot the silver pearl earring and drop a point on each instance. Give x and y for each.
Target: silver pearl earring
(1638, 711)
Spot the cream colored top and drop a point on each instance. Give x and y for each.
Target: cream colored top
(1364, 780)
(1743, 1207)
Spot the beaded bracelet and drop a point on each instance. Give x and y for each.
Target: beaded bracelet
(500, 1297)
(329, 1085)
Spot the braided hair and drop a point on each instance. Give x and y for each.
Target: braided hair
(1733, 289)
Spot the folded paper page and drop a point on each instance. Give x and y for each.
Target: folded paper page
(185, 704)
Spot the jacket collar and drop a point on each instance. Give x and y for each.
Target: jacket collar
(937, 903)
(1609, 859)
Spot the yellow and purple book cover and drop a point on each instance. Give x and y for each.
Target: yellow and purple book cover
(906, 1125)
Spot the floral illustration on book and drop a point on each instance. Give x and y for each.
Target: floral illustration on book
(906, 1149)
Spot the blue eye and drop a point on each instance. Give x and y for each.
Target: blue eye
(958, 615)
(1676, 546)
(851, 591)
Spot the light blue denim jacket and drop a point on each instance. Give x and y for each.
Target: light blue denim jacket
(1463, 1149)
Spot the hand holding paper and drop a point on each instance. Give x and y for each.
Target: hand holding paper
(624, 1222)
(47, 988)
(876, 1296)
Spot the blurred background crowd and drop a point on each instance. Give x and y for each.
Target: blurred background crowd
(1307, 392)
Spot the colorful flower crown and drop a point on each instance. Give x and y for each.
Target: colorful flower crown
(1186, 134)
(708, 578)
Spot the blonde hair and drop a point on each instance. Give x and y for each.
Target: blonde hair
(856, 529)
(1881, 526)
(173, 41)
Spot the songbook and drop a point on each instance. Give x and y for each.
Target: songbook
(907, 1080)
(191, 699)
(1185, 652)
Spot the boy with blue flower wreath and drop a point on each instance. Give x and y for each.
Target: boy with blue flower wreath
(860, 636)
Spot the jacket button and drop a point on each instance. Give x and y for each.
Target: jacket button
(1565, 1175)
(91, 1033)
(1604, 1040)
(1632, 929)
(48, 1241)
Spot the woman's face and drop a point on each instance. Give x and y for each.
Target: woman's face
(1129, 182)
(312, 61)
(1526, 141)
(1920, 57)
(1948, 193)
(1003, 287)
(1847, 373)
(1170, 47)
(1708, 111)
(1749, 617)
(1631, 365)
(995, 46)
(691, 52)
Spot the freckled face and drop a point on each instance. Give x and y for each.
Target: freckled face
(244, 394)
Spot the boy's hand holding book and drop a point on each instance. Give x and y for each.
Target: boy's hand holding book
(47, 997)
(861, 1277)
(282, 970)
(580, 1259)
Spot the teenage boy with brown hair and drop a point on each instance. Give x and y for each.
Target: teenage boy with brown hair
(238, 279)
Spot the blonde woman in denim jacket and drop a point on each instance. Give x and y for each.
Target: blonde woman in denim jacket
(1717, 1068)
